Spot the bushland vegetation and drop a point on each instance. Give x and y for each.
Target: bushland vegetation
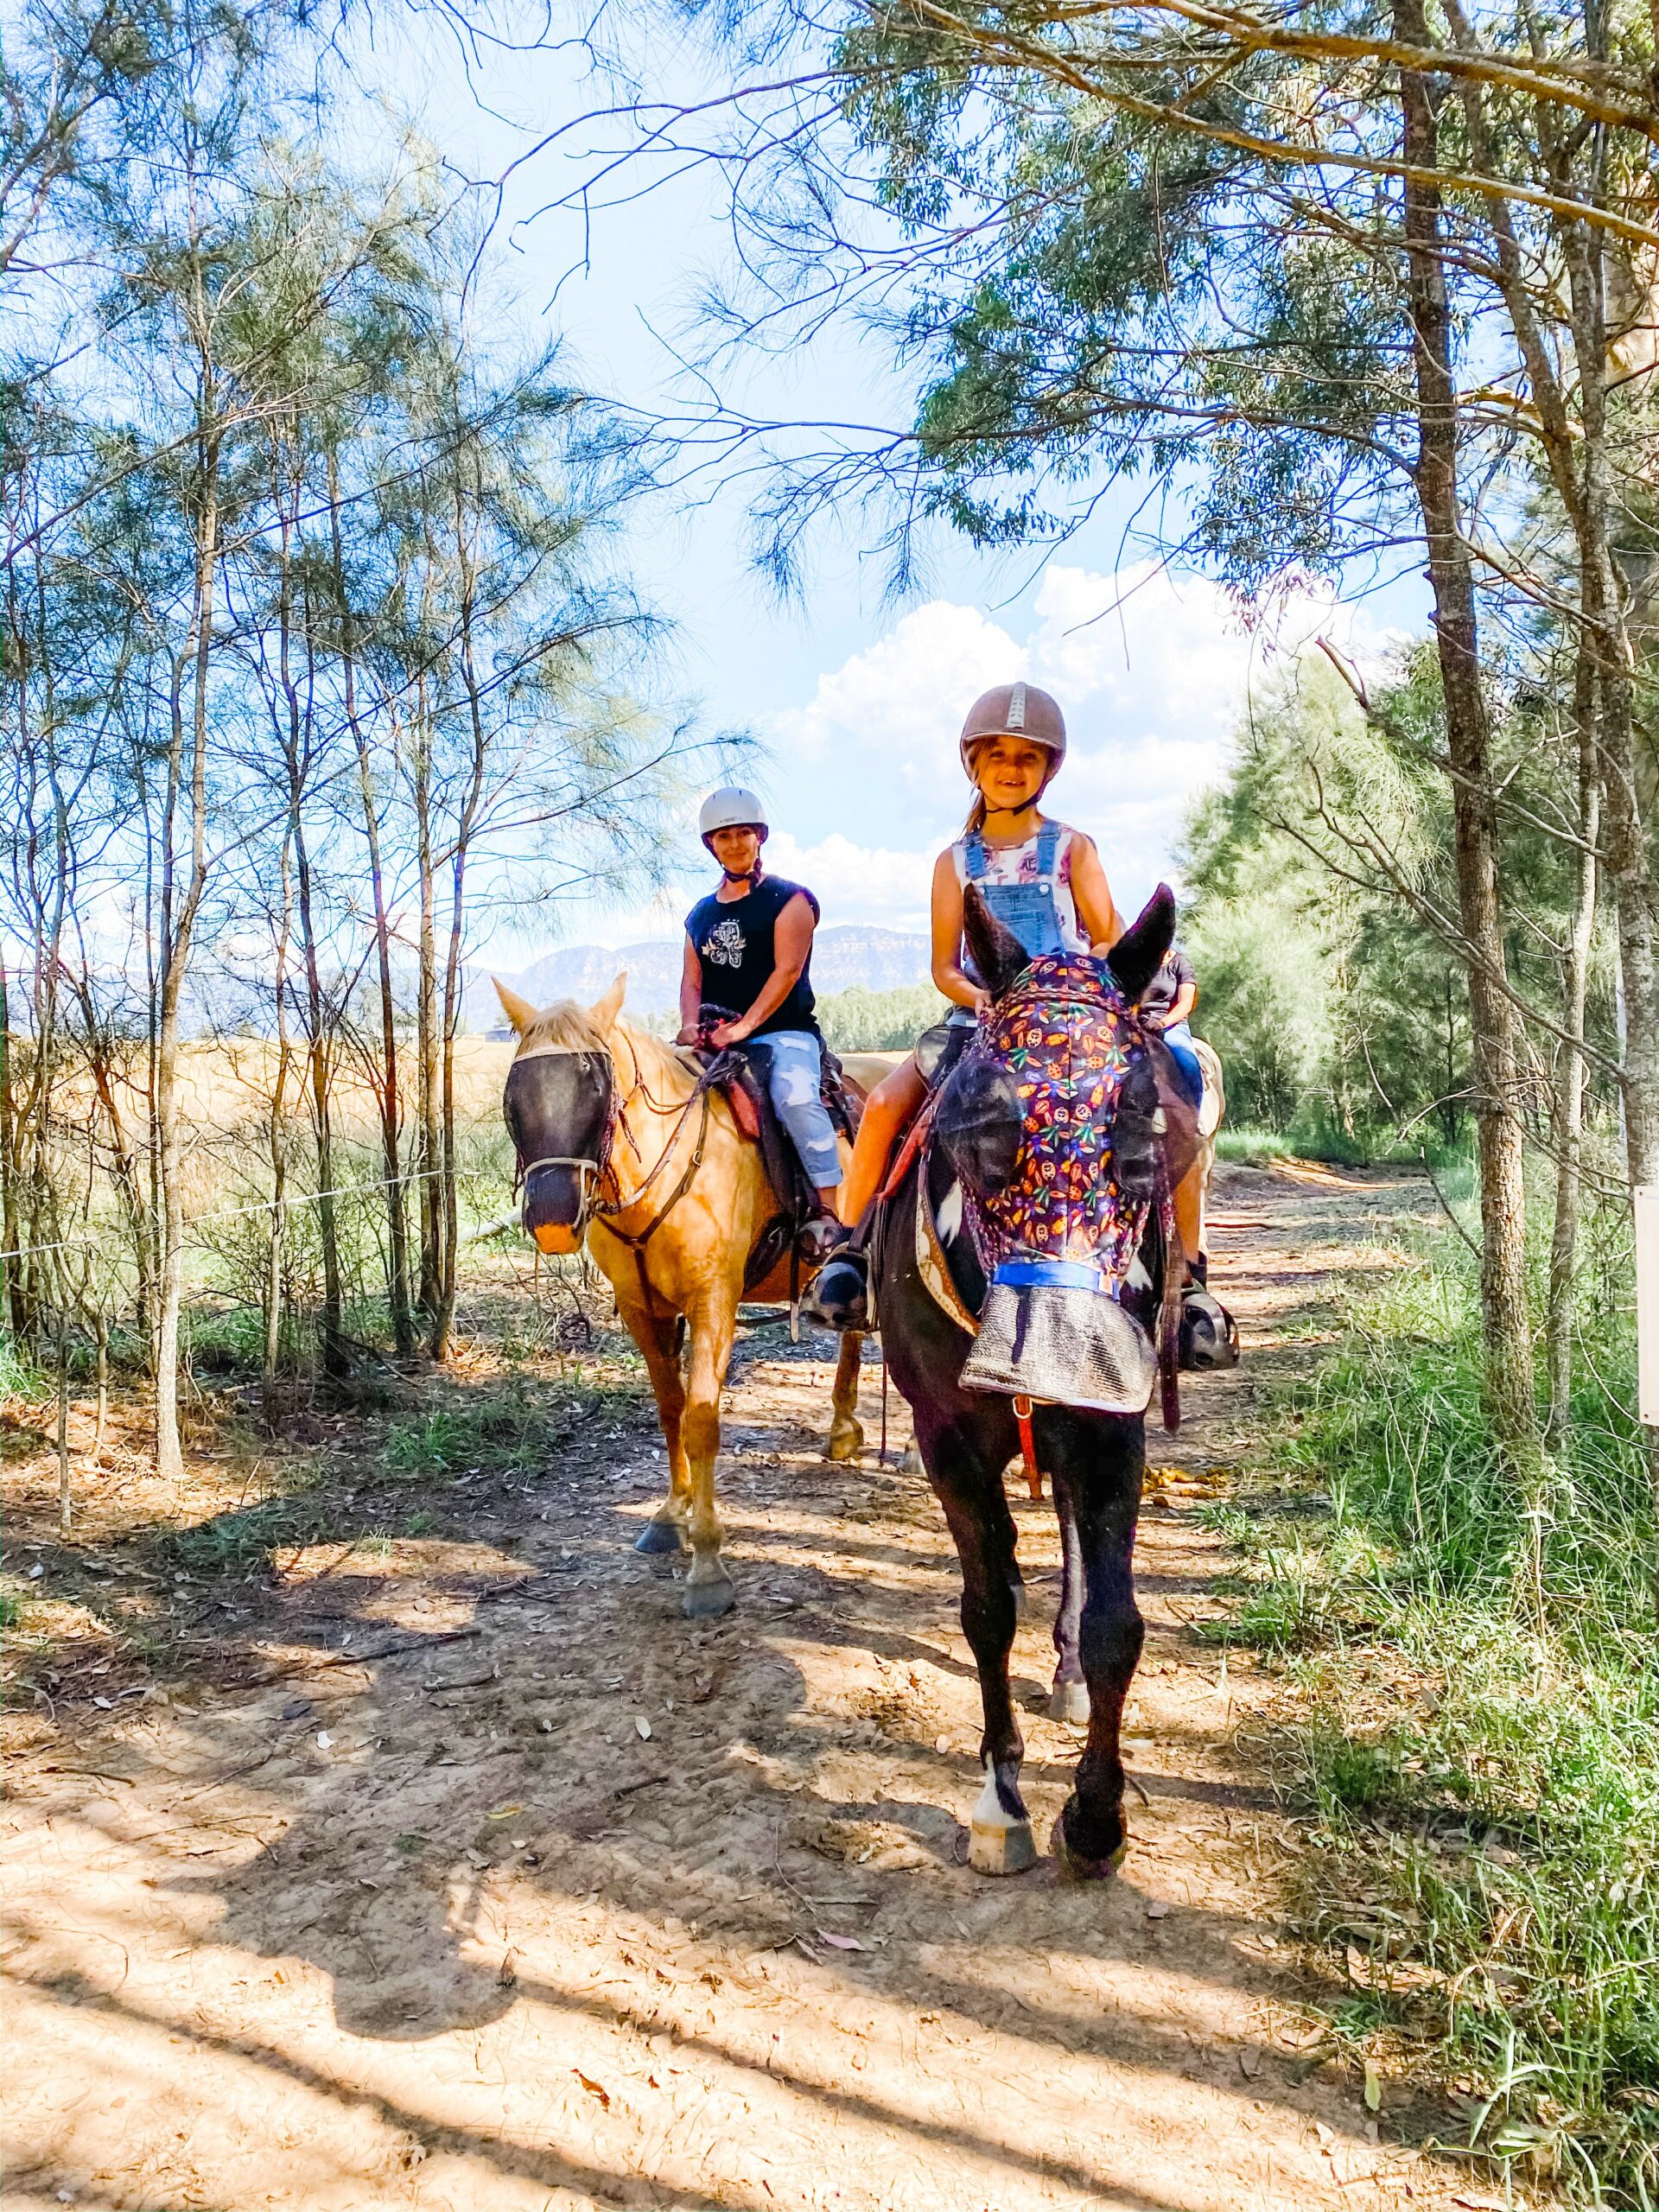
(320, 645)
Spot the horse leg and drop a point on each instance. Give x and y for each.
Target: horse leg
(1069, 1699)
(969, 1484)
(846, 1432)
(708, 1590)
(1090, 1836)
(658, 1338)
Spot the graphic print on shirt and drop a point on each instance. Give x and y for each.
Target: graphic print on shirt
(725, 945)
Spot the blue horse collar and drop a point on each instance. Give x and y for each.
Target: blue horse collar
(1054, 1274)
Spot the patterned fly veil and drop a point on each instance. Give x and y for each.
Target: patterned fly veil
(1059, 1211)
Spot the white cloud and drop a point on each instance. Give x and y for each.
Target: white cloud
(870, 885)
(1152, 669)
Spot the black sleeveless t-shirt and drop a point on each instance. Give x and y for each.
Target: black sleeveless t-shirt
(734, 941)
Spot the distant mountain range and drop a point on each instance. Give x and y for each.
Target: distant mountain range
(843, 957)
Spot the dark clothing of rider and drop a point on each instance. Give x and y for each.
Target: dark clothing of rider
(735, 941)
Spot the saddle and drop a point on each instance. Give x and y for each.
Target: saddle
(733, 1072)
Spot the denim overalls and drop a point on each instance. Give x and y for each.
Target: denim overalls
(1028, 909)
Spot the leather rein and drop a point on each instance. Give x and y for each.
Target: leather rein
(609, 1211)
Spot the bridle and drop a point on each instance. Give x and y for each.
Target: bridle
(592, 1203)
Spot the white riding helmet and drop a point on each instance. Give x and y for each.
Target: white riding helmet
(1015, 710)
(732, 808)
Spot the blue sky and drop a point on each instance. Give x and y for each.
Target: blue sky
(856, 700)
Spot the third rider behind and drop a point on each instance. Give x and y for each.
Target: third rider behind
(748, 954)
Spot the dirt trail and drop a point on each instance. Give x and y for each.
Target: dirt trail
(588, 1907)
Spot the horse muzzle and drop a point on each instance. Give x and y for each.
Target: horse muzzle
(556, 1204)
(1047, 1334)
(557, 1105)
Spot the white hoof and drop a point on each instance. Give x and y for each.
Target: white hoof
(1069, 1701)
(1001, 1851)
(912, 1462)
(998, 1843)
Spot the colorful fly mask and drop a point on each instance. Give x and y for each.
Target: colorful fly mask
(1066, 1202)
(1051, 1121)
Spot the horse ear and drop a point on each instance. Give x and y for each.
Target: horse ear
(603, 1012)
(519, 1012)
(1139, 953)
(996, 952)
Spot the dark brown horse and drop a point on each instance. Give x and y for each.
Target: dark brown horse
(988, 1124)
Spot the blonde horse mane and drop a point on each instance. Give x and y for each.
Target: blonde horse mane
(660, 1063)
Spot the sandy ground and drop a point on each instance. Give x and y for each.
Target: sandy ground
(586, 1906)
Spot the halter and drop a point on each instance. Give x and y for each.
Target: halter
(592, 1203)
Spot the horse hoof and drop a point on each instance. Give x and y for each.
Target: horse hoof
(998, 1838)
(1001, 1850)
(845, 1443)
(912, 1462)
(660, 1534)
(1075, 1867)
(1021, 1600)
(708, 1601)
(1069, 1701)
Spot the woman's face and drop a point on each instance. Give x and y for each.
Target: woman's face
(737, 849)
(1010, 772)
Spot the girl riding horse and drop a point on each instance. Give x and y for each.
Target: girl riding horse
(1040, 878)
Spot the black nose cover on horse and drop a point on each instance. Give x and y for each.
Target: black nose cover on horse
(557, 1105)
(980, 1123)
(1054, 1123)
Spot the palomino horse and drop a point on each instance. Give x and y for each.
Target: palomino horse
(1040, 1212)
(619, 1141)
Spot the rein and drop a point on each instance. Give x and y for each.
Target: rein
(610, 1211)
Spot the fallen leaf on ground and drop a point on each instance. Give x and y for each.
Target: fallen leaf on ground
(1158, 1909)
(503, 1812)
(838, 1942)
(594, 2088)
(1373, 2087)
(644, 1727)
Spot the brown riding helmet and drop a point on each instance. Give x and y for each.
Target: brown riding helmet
(1015, 710)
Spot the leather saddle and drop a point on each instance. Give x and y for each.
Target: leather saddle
(739, 1074)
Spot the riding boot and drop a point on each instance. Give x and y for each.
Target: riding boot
(820, 1236)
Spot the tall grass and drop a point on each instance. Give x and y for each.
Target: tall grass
(1477, 1728)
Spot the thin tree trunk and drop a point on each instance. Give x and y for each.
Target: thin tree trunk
(177, 933)
(101, 1430)
(1494, 1036)
(10, 1274)
(397, 1233)
(427, 1020)
(278, 1156)
(66, 1495)
(298, 746)
(1567, 1109)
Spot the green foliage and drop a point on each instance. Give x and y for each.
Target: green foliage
(234, 1542)
(858, 1021)
(512, 1428)
(1479, 1729)
(1340, 1015)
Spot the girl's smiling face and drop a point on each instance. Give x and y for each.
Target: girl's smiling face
(1010, 772)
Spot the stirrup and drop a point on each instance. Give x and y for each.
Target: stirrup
(840, 1295)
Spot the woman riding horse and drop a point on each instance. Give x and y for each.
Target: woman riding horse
(748, 980)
